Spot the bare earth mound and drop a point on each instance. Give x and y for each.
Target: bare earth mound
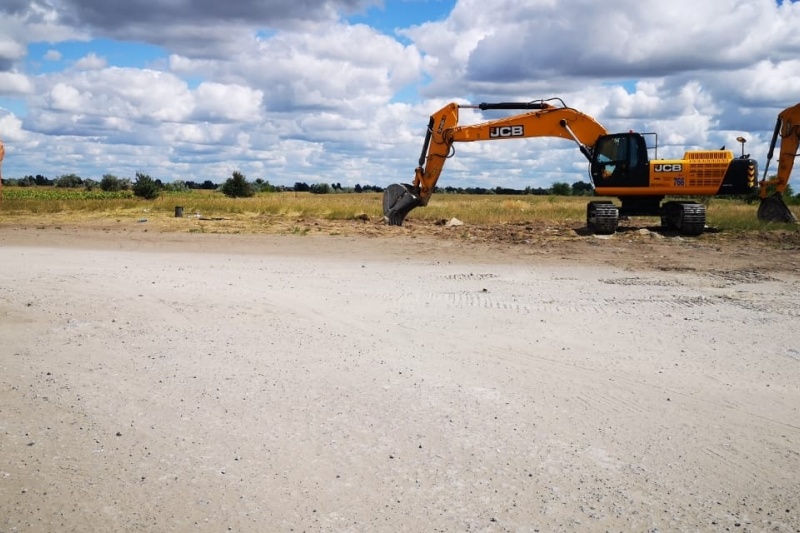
(357, 377)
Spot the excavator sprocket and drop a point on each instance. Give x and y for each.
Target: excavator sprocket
(398, 200)
(774, 209)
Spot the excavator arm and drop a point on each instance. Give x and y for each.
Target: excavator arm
(541, 119)
(787, 127)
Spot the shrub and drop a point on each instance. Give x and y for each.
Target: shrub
(237, 186)
(320, 188)
(561, 189)
(68, 181)
(177, 186)
(110, 183)
(145, 187)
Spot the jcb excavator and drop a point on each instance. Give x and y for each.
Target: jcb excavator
(773, 208)
(2, 155)
(619, 166)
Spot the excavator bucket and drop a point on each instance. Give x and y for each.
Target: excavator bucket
(398, 200)
(774, 209)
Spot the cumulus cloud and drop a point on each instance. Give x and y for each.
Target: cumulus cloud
(272, 13)
(227, 103)
(52, 55)
(91, 62)
(587, 39)
(15, 84)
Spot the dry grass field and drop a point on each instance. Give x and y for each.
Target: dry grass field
(532, 225)
(292, 211)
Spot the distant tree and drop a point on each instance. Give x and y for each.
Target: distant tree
(237, 186)
(789, 196)
(357, 188)
(27, 181)
(41, 180)
(507, 191)
(145, 187)
(369, 188)
(320, 188)
(176, 186)
(68, 181)
(561, 189)
(110, 183)
(89, 184)
(206, 185)
(301, 187)
(262, 185)
(581, 188)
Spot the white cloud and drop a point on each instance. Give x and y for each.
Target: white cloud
(14, 84)
(11, 128)
(91, 62)
(52, 55)
(227, 102)
(10, 50)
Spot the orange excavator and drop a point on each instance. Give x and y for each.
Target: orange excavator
(772, 207)
(619, 165)
(2, 155)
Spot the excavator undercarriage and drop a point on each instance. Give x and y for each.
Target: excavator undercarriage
(687, 218)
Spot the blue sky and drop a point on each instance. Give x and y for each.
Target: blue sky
(341, 90)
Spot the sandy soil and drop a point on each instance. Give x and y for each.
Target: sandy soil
(424, 378)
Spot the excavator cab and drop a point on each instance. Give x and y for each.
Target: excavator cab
(620, 160)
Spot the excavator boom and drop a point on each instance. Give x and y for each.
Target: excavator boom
(772, 207)
(540, 119)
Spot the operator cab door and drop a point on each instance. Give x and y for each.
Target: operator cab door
(620, 160)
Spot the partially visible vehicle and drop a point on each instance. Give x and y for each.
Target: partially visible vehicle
(619, 166)
(772, 207)
(2, 155)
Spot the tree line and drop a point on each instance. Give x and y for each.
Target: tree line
(238, 186)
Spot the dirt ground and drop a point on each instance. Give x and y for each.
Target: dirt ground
(348, 376)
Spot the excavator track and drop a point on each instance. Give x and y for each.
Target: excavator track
(602, 217)
(687, 217)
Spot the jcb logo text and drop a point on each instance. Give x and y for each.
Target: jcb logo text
(668, 168)
(506, 131)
